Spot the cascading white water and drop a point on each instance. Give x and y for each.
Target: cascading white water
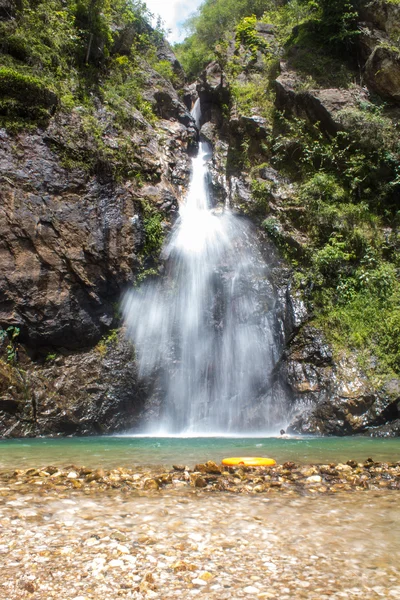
(204, 331)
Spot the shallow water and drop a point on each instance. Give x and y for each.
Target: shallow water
(127, 451)
(184, 545)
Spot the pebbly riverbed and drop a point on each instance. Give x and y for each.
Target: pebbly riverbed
(286, 532)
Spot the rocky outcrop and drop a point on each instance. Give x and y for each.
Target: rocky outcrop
(71, 241)
(328, 396)
(379, 48)
(87, 392)
(321, 106)
(382, 72)
(331, 397)
(213, 93)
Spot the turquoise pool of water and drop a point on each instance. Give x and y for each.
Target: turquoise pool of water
(128, 451)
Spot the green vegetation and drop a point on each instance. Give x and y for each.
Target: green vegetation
(322, 24)
(24, 99)
(66, 56)
(10, 337)
(154, 232)
(345, 185)
(107, 342)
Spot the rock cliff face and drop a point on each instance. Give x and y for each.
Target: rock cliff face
(73, 237)
(70, 241)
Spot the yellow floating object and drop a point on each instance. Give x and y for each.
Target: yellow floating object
(249, 461)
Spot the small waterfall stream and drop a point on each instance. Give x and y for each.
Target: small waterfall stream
(207, 331)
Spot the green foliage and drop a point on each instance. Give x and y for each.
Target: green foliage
(211, 25)
(365, 154)
(154, 232)
(338, 23)
(253, 96)
(164, 68)
(368, 322)
(194, 55)
(107, 342)
(332, 258)
(273, 228)
(10, 337)
(261, 194)
(215, 17)
(347, 186)
(69, 49)
(247, 35)
(25, 97)
(145, 275)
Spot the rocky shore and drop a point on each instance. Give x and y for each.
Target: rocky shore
(77, 534)
(288, 478)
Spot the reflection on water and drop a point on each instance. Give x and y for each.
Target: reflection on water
(131, 451)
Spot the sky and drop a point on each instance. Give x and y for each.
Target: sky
(173, 13)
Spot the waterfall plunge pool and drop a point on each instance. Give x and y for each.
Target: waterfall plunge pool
(136, 451)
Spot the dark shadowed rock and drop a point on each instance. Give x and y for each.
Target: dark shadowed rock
(89, 392)
(8, 8)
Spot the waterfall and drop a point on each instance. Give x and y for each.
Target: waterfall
(207, 331)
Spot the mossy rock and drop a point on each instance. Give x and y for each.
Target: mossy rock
(28, 90)
(24, 99)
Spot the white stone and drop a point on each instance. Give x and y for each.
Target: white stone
(250, 589)
(199, 582)
(115, 563)
(314, 479)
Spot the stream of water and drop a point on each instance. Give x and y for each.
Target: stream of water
(207, 332)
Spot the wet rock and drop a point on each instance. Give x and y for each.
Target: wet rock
(209, 467)
(151, 484)
(331, 398)
(352, 463)
(388, 430)
(196, 480)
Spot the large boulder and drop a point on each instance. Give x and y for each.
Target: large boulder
(333, 398)
(382, 72)
(321, 106)
(379, 48)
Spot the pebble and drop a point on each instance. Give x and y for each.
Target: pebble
(112, 538)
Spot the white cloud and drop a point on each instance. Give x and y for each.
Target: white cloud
(173, 13)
